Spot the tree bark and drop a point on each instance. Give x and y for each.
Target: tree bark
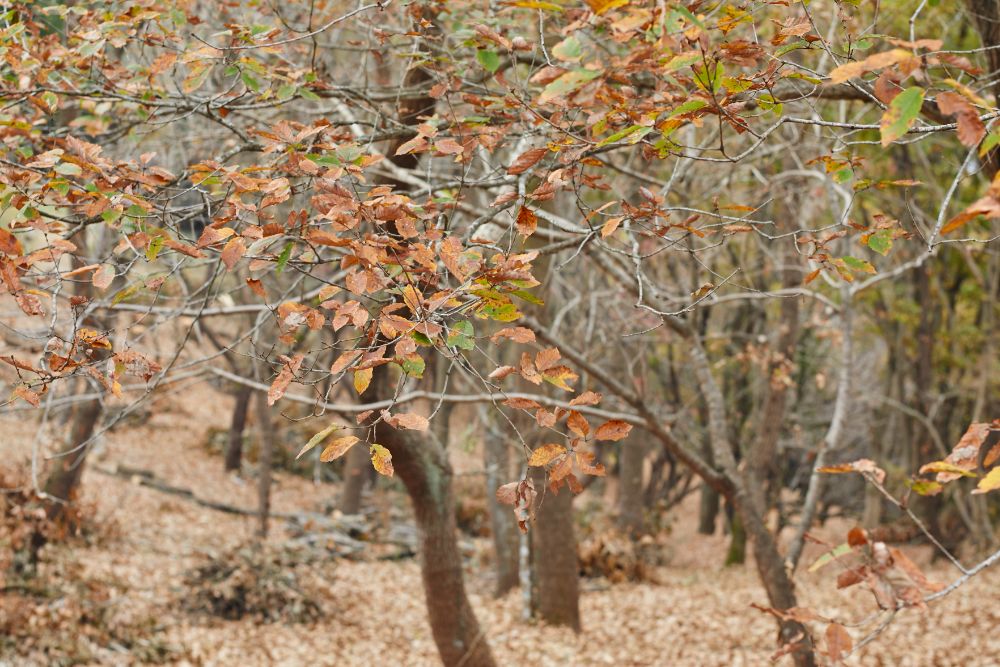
(64, 478)
(708, 509)
(237, 425)
(506, 540)
(630, 499)
(356, 471)
(268, 440)
(424, 469)
(555, 569)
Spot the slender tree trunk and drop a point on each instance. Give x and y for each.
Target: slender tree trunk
(555, 569)
(234, 446)
(736, 554)
(506, 540)
(268, 440)
(708, 509)
(630, 498)
(356, 473)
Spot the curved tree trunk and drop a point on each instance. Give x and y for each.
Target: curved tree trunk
(555, 569)
(424, 469)
(64, 479)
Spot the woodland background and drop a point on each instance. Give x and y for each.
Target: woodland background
(608, 332)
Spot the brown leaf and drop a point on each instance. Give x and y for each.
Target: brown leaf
(838, 642)
(861, 466)
(971, 129)
(408, 420)
(516, 334)
(288, 370)
(578, 424)
(522, 404)
(232, 253)
(526, 161)
(103, 276)
(547, 358)
(613, 429)
(9, 244)
(527, 222)
(586, 398)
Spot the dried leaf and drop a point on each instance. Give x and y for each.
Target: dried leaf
(613, 429)
(546, 454)
(526, 161)
(408, 420)
(838, 642)
(338, 448)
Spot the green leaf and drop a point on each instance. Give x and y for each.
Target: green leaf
(462, 336)
(414, 366)
(250, 82)
(489, 59)
(901, 113)
(688, 107)
(155, 245)
(989, 143)
(283, 258)
(634, 133)
(856, 264)
(286, 92)
(569, 49)
(881, 241)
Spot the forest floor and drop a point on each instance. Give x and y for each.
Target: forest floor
(371, 611)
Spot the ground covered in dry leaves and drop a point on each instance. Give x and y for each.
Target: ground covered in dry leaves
(135, 581)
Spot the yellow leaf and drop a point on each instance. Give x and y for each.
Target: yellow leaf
(989, 483)
(362, 379)
(381, 460)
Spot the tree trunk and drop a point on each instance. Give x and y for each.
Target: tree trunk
(424, 469)
(708, 509)
(737, 552)
(234, 447)
(777, 582)
(506, 540)
(630, 497)
(356, 471)
(268, 440)
(555, 569)
(64, 479)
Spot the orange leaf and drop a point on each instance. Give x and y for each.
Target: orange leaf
(613, 429)
(546, 454)
(338, 448)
